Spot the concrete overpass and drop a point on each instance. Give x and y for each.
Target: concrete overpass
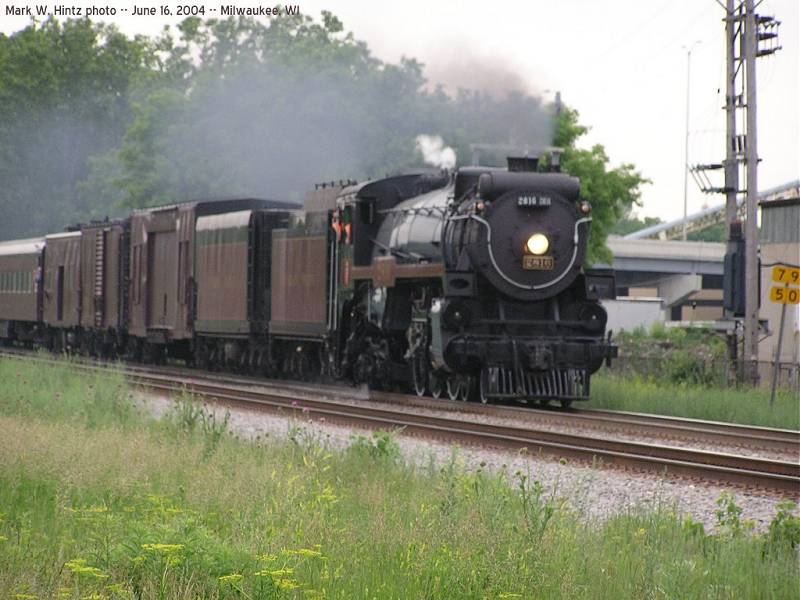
(686, 276)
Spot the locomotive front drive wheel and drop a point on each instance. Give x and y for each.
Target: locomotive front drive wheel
(419, 373)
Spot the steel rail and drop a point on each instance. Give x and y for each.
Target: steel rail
(729, 468)
(776, 475)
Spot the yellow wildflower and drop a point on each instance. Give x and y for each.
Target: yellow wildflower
(163, 548)
(3, 538)
(78, 566)
(506, 595)
(305, 552)
(287, 584)
(118, 589)
(95, 596)
(281, 572)
(232, 578)
(25, 597)
(267, 557)
(327, 495)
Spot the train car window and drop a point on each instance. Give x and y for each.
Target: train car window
(366, 209)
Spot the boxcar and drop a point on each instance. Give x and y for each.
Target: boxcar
(20, 288)
(233, 285)
(162, 263)
(62, 297)
(104, 265)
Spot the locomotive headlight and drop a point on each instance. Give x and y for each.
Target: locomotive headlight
(537, 244)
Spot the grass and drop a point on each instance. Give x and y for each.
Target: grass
(98, 501)
(711, 403)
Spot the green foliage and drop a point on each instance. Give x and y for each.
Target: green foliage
(629, 224)
(190, 417)
(648, 395)
(784, 530)
(693, 356)
(715, 233)
(144, 512)
(381, 445)
(729, 516)
(59, 391)
(65, 90)
(611, 192)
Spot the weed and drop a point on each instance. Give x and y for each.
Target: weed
(192, 418)
(381, 445)
(133, 509)
(784, 530)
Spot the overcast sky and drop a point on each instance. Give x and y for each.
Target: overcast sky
(621, 63)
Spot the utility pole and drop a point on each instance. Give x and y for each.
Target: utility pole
(731, 139)
(751, 266)
(745, 33)
(686, 142)
(731, 164)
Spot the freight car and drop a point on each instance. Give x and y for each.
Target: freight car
(468, 283)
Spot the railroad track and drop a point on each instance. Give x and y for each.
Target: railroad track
(328, 402)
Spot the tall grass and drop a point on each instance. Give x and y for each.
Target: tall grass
(120, 507)
(749, 406)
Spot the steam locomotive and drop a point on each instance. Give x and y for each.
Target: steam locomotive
(468, 284)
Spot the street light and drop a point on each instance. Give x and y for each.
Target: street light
(686, 143)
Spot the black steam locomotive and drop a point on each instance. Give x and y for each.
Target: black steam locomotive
(469, 284)
(474, 283)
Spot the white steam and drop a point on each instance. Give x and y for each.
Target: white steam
(435, 152)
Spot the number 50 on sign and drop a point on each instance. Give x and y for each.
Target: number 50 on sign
(785, 295)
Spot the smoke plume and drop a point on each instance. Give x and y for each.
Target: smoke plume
(435, 152)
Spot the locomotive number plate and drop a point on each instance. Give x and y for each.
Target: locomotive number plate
(537, 263)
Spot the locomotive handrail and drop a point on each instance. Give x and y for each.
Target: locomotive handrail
(516, 283)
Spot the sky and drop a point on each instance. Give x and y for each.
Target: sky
(621, 63)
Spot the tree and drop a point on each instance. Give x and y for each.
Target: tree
(64, 90)
(629, 224)
(96, 123)
(611, 192)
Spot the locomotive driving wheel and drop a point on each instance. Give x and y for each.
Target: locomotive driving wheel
(453, 387)
(484, 386)
(435, 384)
(420, 373)
(458, 387)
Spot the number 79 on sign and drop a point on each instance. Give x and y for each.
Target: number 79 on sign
(784, 274)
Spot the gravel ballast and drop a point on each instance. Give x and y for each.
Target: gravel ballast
(596, 492)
